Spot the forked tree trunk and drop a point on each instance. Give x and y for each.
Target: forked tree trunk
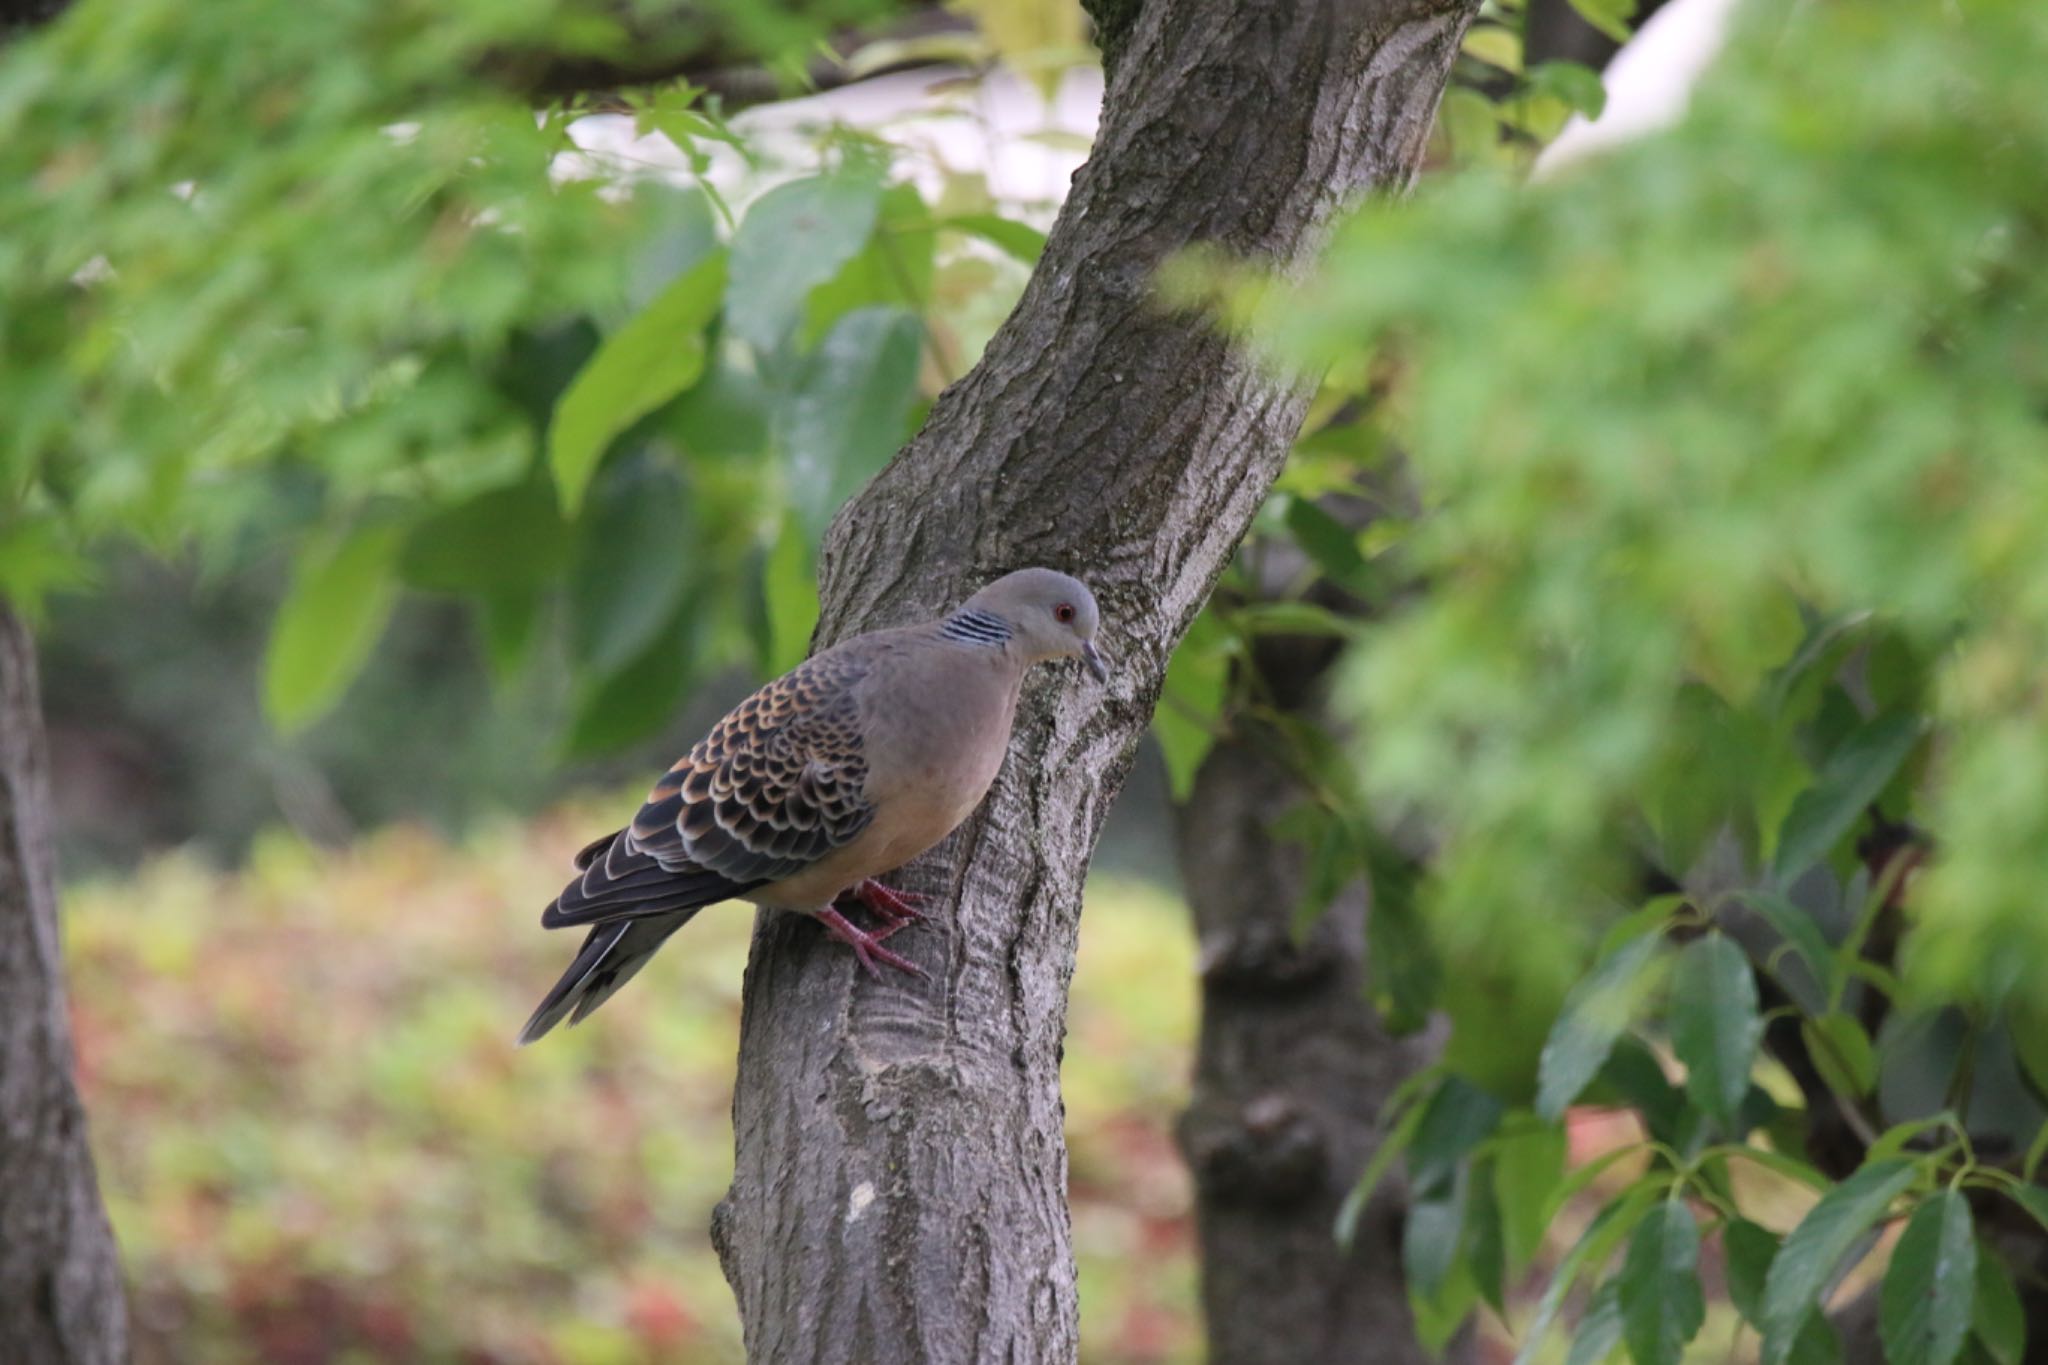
(60, 1284)
(900, 1191)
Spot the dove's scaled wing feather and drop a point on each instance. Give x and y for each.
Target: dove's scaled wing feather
(774, 787)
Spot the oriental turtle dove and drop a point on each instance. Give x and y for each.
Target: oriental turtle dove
(847, 767)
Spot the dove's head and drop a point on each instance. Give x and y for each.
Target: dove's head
(1050, 616)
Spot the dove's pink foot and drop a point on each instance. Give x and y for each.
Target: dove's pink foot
(866, 946)
(897, 907)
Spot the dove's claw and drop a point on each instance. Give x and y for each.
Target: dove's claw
(866, 946)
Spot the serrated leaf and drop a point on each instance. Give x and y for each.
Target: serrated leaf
(793, 239)
(341, 595)
(847, 410)
(1930, 1288)
(650, 360)
(1661, 1303)
(1857, 772)
(1714, 1023)
(1596, 1012)
(1812, 1253)
(1841, 1050)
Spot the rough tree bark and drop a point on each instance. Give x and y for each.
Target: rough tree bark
(1293, 1067)
(901, 1171)
(60, 1283)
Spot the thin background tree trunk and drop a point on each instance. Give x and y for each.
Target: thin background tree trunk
(901, 1169)
(60, 1282)
(1293, 1067)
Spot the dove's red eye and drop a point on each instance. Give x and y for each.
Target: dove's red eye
(1063, 613)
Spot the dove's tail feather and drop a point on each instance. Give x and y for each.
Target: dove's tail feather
(607, 961)
(615, 881)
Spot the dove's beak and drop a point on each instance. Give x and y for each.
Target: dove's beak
(1093, 660)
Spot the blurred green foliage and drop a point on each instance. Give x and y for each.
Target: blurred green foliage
(329, 315)
(1709, 656)
(319, 1144)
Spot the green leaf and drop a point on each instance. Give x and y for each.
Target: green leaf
(1930, 1289)
(1661, 1304)
(1405, 973)
(1528, 1167)
(793, 239)
(1485, 1244)
(341, 595)
(1809, 1259)
(1334, 549)
(2032, 1198)
(1579, 87)
(1998, 1321)
(1596, 1012)
(1748, 1251)
(1841, 1050)
(1714, 1024)
(1433, 1231)
(894, 267)
(1600, 1329)
(1588, 1255)
(789, 582)
(1494, 45)
(632, 563)
(848, 410)
(509, 540)
(1802, 934)
(508, 623)
(639, 698)
(1295, 618)
(650, 360)
(1857, 772)
(1391, 1147)
(1458, 1117)
(1191, 701)
(1019, 240)
(1609, 16)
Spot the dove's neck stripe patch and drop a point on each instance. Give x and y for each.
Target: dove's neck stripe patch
(976, 628)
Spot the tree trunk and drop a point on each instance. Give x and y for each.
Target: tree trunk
(1293, 1069)
(901, 1170)
(60, 1283)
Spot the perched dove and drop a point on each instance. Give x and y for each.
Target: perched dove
(845, 768)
